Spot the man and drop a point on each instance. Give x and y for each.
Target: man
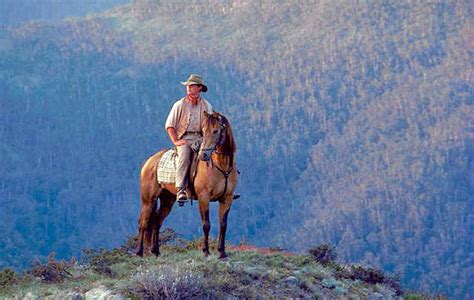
(184, 126)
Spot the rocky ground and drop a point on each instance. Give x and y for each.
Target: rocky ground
(183, 272)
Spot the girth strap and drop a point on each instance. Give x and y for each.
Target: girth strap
(226, 176)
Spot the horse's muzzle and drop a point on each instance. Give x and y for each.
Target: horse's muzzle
(205, 155)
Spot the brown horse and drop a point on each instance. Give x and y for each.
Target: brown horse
(215, 180)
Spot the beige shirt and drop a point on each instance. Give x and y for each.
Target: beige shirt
(184, 116)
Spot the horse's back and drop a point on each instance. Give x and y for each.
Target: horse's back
(148, 171)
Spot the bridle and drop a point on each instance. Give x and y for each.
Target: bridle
(220, 142)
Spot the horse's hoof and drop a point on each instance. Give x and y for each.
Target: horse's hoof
(139, 253)
(156, 252)
(223, 256)
(206, 254)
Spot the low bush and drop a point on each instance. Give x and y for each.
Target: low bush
(53, 271)
(323, 254)
(130, 244)
(8, 277)
(166, 282)
(168, 236)
(101, 260)
(370, 275)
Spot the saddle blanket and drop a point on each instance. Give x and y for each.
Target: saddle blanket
(166, 171)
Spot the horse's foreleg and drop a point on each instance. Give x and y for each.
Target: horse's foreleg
(166, 204)
(206, 224)
(224, 208)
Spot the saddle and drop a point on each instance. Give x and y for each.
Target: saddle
(166, 170)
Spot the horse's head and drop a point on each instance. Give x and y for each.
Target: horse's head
(217, 135)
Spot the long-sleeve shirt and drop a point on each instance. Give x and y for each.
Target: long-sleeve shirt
(184, 116)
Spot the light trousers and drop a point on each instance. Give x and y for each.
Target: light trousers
(184, 160)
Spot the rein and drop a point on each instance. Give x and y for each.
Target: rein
(214, 150)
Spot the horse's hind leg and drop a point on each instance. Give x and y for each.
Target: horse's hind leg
(148, 235)
(149, 196)
(143, 225)
(166, 204)
(224, 208)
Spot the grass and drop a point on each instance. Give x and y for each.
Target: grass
(182, 271)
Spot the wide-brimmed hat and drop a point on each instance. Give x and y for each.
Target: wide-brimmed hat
(195, 79)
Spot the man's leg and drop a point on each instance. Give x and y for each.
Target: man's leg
(184, 159)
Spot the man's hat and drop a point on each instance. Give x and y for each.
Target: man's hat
(195, 79)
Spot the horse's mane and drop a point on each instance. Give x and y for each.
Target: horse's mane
(229, 147)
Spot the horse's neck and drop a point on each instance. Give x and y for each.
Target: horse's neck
(223, 161)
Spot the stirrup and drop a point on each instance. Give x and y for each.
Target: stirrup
(236, 196)
(182, 202)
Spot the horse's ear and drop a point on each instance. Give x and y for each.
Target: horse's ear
(206, 114)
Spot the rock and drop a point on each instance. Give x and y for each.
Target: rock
(297, 272)
(376, 296)
(74, 296)
(66, 296)
(30, 296)
(102, 293)
(340, 290)
(329, 283)
(292, 280)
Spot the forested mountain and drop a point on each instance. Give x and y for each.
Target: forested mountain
(353, 123)
(15, 12)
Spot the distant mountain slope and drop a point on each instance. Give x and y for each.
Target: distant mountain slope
(351, 122)
(16, 12)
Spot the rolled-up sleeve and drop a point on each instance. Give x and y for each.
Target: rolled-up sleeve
(172, 120)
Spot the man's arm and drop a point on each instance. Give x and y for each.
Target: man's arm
(174, 138)
(170, 124)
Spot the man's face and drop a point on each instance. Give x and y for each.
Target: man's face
(193, 90)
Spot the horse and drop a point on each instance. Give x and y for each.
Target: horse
(215, 180)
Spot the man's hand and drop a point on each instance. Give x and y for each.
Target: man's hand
(179, 142)
(174, 139)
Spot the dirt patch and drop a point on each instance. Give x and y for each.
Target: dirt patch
(260, 250)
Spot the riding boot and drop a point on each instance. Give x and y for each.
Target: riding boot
(182, 196)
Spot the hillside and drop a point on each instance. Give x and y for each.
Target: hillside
(182, 272)
(353, 124)
(16, 12)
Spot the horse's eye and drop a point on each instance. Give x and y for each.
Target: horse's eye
(215, 131)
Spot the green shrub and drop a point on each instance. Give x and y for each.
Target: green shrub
(422, 296)
(53, 271)
(130, 244)
(168, 236)
(8, 278)
(370, 275)
(323, 254)
(101, 260)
